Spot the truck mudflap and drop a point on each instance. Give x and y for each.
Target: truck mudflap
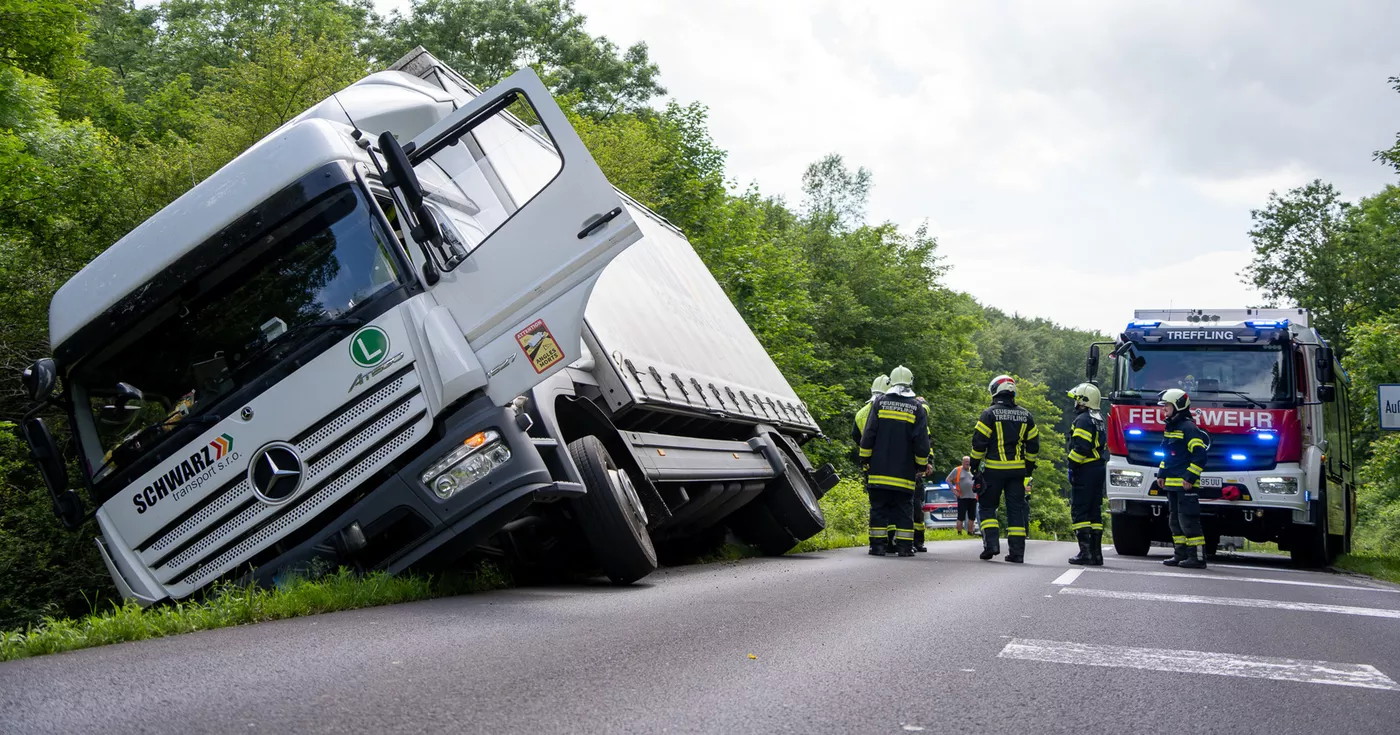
(401, 522)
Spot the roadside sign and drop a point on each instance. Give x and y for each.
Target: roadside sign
(1388, 400)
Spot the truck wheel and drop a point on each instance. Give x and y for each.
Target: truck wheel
(793, 503)
(1308, 547)
(611, 514)
(1130, 534)
(755, 525)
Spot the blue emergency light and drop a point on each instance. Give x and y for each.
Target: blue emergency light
(1238, 457)
(1159, 453)
(1135, 432)
(1267, 324)
(1266, 436)
(1144, 325)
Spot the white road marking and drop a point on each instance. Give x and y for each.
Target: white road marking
(1261, 580)
(1068, 577)
(1199, 662)
(1372, 612)
(1220, 564)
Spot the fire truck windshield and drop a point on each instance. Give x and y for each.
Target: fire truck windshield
(1251, 374)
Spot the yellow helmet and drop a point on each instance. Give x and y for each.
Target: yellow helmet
(881, 385)
(902, 376)
(1087, 394)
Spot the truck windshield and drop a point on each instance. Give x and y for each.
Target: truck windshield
(1256, 374)
(233, 325)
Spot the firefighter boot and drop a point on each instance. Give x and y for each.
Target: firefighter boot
(1016, 552)
(919, 541)
(1096, 547)
(1085, 555)
(905, 547)
(1191, 562)
(878, 546)
(990, 545)
(1177, 556)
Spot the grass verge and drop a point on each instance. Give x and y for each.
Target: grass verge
(232, 605)
(1380, 567)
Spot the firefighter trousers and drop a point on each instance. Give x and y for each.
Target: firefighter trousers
(889, 511)
(1086, 497)
(1012, 483)
(1184, 518)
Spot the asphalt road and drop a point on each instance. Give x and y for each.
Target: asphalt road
(827, 642)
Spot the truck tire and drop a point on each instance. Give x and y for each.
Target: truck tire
(755, 525)
(1308, 546)
(1130, 534)
(611, 514)
(793, 502)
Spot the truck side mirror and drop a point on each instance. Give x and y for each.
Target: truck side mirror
(1139, 362)
(44, 451)
(1091, 366)
(1327, 393)
(1325, 371)
(401, 173)
(39, 379)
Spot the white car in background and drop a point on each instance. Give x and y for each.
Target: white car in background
(940, 506)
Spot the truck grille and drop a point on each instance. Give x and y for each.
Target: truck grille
(1238, 452)
(232, 525)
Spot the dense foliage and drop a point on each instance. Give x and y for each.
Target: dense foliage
(109, 111)
(1341, 259)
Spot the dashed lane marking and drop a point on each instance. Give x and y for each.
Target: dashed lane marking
(1198, 662)
(1260, 580)
(1371, 612)
(1068, 577)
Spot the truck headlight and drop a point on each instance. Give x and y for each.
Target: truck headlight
(481, 453)
(1278, 485)
(1125, 478)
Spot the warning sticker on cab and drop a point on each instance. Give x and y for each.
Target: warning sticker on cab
(539, 346)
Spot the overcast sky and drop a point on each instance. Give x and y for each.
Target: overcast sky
(1046, 143)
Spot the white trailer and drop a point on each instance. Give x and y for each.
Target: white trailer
(345, 349)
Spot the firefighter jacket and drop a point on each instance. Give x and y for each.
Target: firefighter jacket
(1185, 445)
(895, 442)
(1087, 440)
(1005, 438)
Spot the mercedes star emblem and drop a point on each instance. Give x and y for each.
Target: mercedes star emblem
(275, 473)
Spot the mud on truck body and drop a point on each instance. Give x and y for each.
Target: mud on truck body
(1263, 385)
(415, 321)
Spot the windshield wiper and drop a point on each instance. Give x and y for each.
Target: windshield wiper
(1252, 401)
(282, 339)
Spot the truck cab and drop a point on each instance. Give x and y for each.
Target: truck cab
(1261, 383)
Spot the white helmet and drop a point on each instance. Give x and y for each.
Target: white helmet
(901, 376)
(1176, 398)
(1087, 394)
(880, 386)
(1002, 384)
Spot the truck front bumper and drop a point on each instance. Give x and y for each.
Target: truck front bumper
(1129, 486)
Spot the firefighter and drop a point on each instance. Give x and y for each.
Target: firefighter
(894, 450)
(877, 389)
(916, 508)
(1086, 460)
(1185, 445)
(1004, 447)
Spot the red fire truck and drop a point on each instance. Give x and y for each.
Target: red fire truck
(1264, 384)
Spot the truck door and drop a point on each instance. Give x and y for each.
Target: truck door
(528, 221)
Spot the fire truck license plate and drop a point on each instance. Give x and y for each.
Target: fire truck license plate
(1211, 482)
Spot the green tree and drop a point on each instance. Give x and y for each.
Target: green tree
(487, 40)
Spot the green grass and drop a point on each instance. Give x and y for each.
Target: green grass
(230, 605)
(1380, 567)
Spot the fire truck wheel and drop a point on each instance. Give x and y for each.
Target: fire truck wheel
(793, 503)
(1309, 547)
(611, 514)
(1131, 534)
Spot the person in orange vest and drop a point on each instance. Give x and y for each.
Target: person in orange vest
(960, 479)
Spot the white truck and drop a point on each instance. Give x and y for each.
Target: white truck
(1262, 383)
(345, 350)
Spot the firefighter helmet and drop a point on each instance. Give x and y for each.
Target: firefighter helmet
(1087, 394)
(881, 385)
(1176, 398)
(901, 376)
(1002, 384)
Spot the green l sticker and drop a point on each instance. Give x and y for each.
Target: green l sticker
(369, 346)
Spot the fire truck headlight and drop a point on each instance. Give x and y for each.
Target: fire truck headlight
(1278, 485)
(1125, 478)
